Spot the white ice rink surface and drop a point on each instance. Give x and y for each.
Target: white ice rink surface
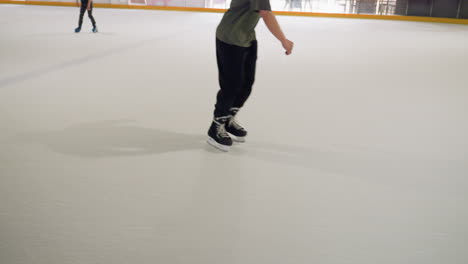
(357, 153)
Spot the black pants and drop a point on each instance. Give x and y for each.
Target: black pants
(84, 6)
(236, 66)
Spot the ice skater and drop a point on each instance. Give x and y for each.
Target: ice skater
(236, 53)
(86, 5)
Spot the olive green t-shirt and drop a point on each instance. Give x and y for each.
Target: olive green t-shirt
(238, 24)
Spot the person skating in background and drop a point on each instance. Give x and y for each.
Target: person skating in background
(86, 5)
(236, 53)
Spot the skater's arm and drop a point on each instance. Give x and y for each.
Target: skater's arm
(89, 4)
(272, 24)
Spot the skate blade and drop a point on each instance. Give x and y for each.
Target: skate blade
(238, 139)
(215, 144)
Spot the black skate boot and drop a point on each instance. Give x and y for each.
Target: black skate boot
(218, 137)
(233, 128)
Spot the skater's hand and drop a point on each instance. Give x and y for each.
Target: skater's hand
(288, 46)
(89, 7)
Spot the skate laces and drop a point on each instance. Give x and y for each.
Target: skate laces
(221, 129)
(233, 123)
